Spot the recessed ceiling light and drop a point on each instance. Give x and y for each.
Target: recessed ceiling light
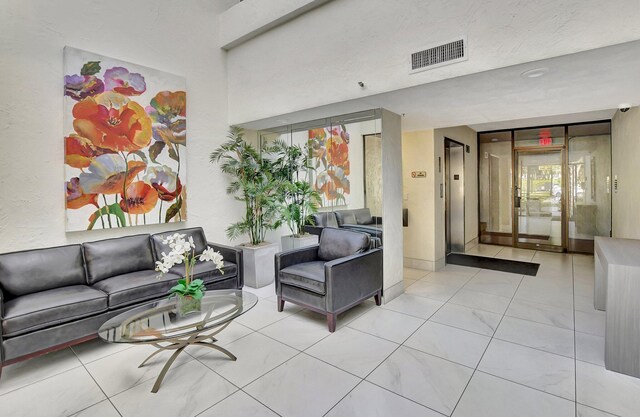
(283, 121)
(535, 73)
(494, 139)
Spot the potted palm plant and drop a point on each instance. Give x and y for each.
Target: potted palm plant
(298, 198)
(255, 182)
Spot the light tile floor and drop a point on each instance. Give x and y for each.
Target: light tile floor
(461, 342)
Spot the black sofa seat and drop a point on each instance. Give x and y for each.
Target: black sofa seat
(207, 271)
(308, 276)
(47, 308)
(135, 287)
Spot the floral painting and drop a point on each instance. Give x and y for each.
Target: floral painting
(125, 143)
(330, 147)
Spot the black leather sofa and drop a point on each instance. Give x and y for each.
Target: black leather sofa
(56, 297)
(359, 220)
(331, 277)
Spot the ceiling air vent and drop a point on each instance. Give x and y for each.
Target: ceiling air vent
(448, 53)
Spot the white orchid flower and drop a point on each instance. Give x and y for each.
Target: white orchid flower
(181, 252)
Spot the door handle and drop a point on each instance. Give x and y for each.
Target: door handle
(517, 202)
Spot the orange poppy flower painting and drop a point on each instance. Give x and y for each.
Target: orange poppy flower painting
(125, 143)
(330, 147)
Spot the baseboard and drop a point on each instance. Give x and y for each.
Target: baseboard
(418, 264)
(392, 292)
(471, 244)
(424, 265)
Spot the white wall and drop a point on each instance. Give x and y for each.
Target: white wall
(419, 195)
(160, 34)
(625, 140)
(424, 239)
(249, 18)
(392, 204)
(466, 136)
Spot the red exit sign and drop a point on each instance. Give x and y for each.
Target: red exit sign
(545, 138)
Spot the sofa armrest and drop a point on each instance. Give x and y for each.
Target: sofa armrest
(314, 230)
(1, 339)
(231, 254)
(352, 278)
(295, 256)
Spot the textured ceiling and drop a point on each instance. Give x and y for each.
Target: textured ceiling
(578, 87)
(318, 58)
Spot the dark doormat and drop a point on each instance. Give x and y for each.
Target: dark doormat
(504, 265)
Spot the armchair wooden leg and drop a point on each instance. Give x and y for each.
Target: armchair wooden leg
(331, 322)
(280, 304)
(378, 298)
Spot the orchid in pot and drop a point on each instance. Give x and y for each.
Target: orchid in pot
(189, 291)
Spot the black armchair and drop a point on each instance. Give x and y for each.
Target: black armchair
(331, 277)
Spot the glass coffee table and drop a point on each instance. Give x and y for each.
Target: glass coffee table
(157, 323)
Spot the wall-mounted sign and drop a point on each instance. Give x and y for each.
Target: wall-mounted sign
(418, 174)
(545, 137)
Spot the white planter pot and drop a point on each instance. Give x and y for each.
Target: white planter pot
(290, 242)
(258, 264)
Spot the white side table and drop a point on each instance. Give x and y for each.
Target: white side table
(617, 289)
(611, 251)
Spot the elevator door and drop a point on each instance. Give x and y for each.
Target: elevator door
(454, 196)
(539, 200)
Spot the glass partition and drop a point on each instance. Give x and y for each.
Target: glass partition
(496, 190)
(589, 192)
(346, 160)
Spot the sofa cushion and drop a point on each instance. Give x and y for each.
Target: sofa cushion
(346, 217)
(338, 243)
(51, 307)
(307, 275)
(208, 272)
(136, 286)
(38, 270)
(111, 257)
(326, 219)
(196, 233)
(363, 216)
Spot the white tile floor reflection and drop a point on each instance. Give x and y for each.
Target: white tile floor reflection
(461, 342)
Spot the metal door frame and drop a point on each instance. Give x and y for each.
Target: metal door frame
(448, 141)
(515, 217)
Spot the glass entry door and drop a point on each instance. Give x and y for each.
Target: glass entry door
(538, 199)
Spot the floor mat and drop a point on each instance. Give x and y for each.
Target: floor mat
(496, 264)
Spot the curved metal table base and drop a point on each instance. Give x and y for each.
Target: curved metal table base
(179, 344)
